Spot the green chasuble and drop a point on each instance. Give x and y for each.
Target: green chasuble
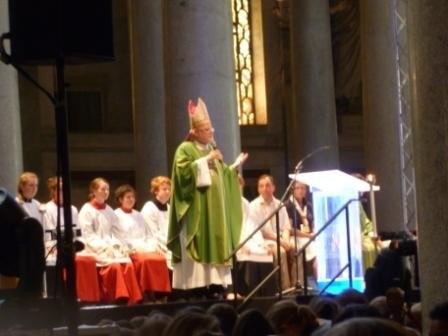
(369, 252)
(212, 215)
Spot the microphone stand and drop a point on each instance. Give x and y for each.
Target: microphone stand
(275, 212)
(65, 245)
(297, 169)
(298, 285)
(258, 228)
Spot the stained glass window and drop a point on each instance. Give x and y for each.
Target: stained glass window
(243, 61)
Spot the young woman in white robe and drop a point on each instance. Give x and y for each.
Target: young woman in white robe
(132, 230)
(97, 221)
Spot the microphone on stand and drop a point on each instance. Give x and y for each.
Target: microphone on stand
(306, 157)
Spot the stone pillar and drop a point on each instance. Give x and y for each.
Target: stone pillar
(200, 63)
(312, 122)
(146, 19)
(11, 163)
(380, 107)
(428, 29)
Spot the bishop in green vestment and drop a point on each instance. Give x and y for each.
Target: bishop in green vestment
(205, 212)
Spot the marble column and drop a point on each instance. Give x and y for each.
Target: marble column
(380, 107)
(312, 122)
(11, 162)
(200, 64)
(149, 93)
(428, 31)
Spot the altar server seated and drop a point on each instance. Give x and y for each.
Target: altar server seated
(132, 230)
(156, 213)
(87, 286)
(98, 223)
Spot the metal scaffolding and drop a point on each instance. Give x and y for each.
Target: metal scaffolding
(408, 198)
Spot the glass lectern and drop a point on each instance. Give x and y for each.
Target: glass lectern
(335, 197)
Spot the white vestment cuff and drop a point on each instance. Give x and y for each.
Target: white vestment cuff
(203, 178)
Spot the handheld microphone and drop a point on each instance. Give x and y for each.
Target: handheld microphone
(213, 144)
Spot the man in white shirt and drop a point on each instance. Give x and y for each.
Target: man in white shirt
(260, 208)
(254, 259)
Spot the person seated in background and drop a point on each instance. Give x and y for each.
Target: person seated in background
(369, 240)
(252, 323)
(27, 188)
(50, 217)
(390, 271)
(155, 324)
(193, 323)
(156, 213)
(133, 232)
(300, 213)
(254, 259)
(259, 209)
(289, 318)
(354, 310)
(226, 315)
(351, 296)
(362, 326)
(22, 254)
(326, 309)
(396, 304)
(97, 220)
(415, 317)
(87, 287)
(439, 320)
